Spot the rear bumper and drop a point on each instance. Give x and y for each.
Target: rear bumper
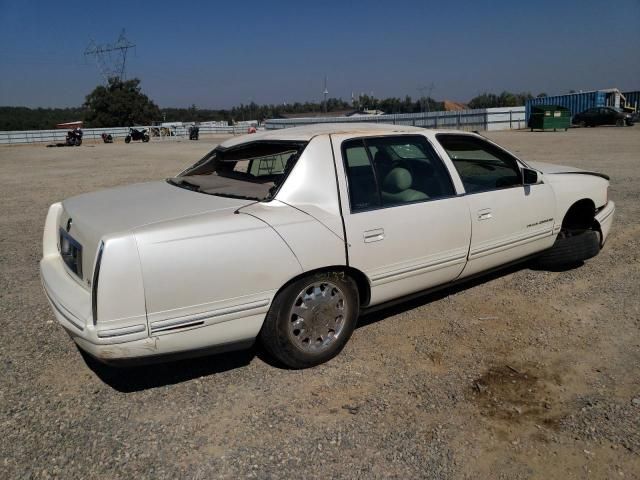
(71, 304)
(120, 337)
(605, 219)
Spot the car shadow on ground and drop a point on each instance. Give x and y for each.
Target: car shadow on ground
(134, 378)
(142, 377)
(404, 305)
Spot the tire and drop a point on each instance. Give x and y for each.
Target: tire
(620, 122)
(145, 139)
(78, 142)
(127, 139)
(330, 302)
(571, 249)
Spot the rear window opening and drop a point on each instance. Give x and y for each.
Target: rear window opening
(253, 171)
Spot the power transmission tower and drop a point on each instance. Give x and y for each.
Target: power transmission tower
(325, 93)
(111, 58)
(425, 101)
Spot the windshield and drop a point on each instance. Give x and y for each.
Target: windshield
(251, 171)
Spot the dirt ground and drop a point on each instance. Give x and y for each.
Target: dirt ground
(524, 374)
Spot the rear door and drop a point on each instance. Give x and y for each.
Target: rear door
(406, 227)
(509, 220)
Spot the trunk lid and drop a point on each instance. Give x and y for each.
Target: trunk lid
(91, 216)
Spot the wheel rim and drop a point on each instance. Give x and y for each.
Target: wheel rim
(317, 317)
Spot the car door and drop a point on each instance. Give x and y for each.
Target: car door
(602, 117)
(509, 220)
(610, 116)
(406, 227)
(592, 116)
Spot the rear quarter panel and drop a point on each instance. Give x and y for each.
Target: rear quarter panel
(212, 263)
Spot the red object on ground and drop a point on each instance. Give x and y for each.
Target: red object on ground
(70, 125)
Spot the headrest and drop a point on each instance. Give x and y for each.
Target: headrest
(382, 156)
(397, 180)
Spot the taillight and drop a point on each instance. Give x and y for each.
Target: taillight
(94, 285)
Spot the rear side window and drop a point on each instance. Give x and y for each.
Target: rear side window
(481, 165)
(390, 171)
(363, 190)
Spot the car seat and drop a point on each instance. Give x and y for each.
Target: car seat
(396, 187)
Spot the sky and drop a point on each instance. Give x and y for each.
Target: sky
(220, 54)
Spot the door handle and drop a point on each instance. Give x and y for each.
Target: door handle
(484, 214)
(374, 235)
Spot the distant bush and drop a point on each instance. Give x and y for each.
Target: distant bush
(23, 118)
(505, 99)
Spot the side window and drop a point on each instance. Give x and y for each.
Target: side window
(481, 165)
(363, 192)
(405, 169)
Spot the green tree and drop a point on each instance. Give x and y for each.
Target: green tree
(121, 103)
(505, 99)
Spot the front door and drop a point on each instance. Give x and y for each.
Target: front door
(406, 228)
(509, 220)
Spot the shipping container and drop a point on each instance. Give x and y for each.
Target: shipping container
(574, 102)
(632, 99)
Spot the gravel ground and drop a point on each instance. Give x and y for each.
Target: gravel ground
(523, 374)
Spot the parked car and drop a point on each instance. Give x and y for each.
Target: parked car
(287, 236)
(603, 116)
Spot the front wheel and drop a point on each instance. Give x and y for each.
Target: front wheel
(145, 139)
(620, 122)
(570, 249)
(127, 139)
(311, 319)
(78, 142)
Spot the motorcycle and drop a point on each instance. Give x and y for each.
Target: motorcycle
(107, 138)
(74, 138)
(135, 134)
(194, 132)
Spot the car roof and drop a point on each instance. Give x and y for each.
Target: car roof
(307, 132)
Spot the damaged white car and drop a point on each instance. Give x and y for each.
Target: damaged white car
(287, 236)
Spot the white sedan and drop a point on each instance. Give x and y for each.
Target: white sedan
(287, 236)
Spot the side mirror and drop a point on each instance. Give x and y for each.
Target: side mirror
(529, 176)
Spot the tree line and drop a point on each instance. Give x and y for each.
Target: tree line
(122, 103)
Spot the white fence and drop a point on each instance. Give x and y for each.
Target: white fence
(163, 133)
(506, 118)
